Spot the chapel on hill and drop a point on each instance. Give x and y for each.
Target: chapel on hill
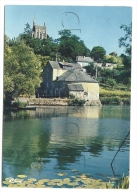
(38, 31)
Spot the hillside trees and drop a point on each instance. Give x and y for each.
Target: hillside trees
(98, 53)
(21, 70)
(27, 29)
(126, 42)
(71, 46)
(127, 39)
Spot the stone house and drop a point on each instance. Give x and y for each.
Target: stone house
(84, 61)
(60, 79)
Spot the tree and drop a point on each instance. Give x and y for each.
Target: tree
(112, 59)
(111, 82)
(64, 33)
(27, 29)
(98, 53)
(21, 70)
(113, 54)
(70, 46)
(126, 61)
(91, 69)
(127, 39)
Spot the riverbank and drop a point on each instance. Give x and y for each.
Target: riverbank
(114, 97)
(39, 102)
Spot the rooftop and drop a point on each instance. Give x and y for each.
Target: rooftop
(75, 87)
(84, 59)
(76, 75)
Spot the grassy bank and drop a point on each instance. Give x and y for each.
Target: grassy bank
(114, 96)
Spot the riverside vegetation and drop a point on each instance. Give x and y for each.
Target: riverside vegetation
(75, 181)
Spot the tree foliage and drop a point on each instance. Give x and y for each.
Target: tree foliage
(27, 29)
(127, 39)
(21, 70)
(98, 53)
(71, 46)
(111, 82)
(90, 69)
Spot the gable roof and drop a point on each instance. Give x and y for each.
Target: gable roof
(84, 59)
(54, 64)
(40, 27)
(70, 65)
(75, 87)
(76, 75)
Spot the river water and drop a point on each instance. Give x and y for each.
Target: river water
(52, 140)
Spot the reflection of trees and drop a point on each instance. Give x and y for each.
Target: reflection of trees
(67, 155)
(28, 137)
(95, 146)
(23, 141)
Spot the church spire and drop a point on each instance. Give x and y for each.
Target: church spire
(34, 20)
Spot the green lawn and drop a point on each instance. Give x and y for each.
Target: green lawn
(111, 92)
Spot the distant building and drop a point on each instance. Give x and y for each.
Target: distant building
(84, 61)
(38, 31)
(60, 79)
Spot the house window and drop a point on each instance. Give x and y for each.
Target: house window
(85, 93)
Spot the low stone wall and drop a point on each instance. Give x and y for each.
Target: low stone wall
(48, 102)
(54, 102)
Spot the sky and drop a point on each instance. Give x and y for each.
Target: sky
(95, 25)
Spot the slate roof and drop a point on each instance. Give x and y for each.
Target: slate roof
(65, 64)
(75, 87)
(84, 59)
(73, 65)
(40, 27)
(54, 64)
(76, 75)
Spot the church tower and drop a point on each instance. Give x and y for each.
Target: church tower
(38, 31)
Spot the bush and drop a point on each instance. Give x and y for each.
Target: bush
(71, 96)
(77, 102)
(110, 100)
(126, 101)
(111, 82)
(19, 104)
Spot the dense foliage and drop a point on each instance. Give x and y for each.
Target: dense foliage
(98, 53)
(21, 70)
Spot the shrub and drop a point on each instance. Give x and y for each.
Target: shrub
(77, 102)
(126, 101)
(111, 82)
(110, 100)
(19, 104)
(71, 96)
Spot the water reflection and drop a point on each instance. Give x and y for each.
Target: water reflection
(63, 138)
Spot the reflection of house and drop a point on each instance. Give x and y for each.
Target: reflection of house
(84, 61)
(39, 31)
(60, 79)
